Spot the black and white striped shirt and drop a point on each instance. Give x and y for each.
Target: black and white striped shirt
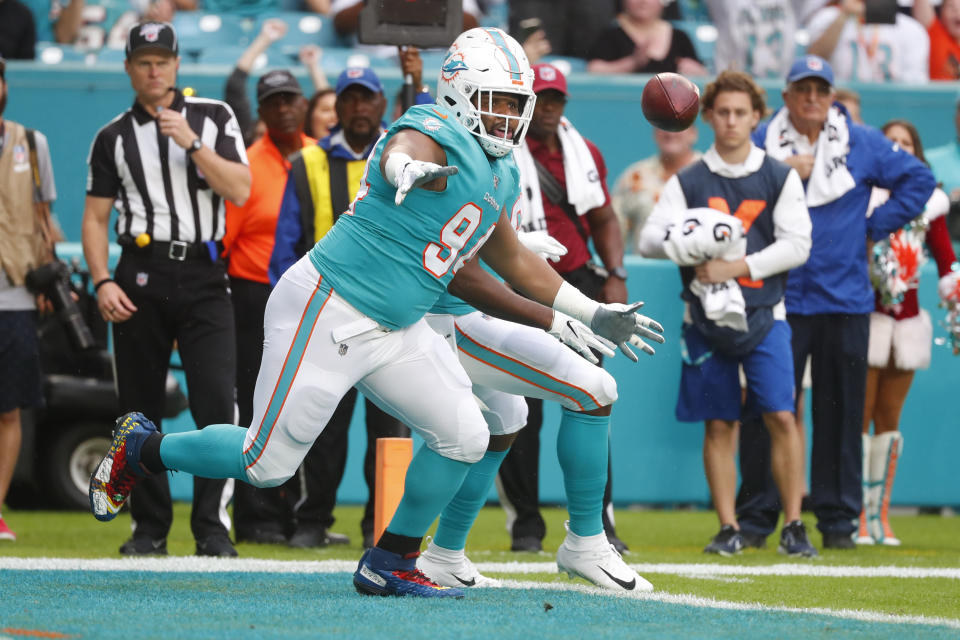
(158, 188)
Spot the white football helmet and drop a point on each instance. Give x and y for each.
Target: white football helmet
(479, 63)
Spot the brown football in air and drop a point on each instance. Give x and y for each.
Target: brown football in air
(670, 102)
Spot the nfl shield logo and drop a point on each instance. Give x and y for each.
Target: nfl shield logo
(142, 279)
(151, 31)
(342, 350)
(19, 154)
(496, 181)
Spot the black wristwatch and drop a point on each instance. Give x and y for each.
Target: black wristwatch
(195, 146)
(619, 272)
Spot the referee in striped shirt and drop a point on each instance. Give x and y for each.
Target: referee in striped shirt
(167, 164)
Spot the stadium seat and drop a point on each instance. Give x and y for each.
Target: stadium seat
(704, 37)
(306, 28)
(52, 54)
(110, 55)
(567, 64)
(201, 31)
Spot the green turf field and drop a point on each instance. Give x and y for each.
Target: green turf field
(657, 539)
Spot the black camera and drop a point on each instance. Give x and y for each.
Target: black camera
(53, 281)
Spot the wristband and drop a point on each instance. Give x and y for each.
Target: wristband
(394, 165)
(572, 302)
(97, 286)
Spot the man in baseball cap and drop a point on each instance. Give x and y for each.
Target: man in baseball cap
(362, 76)
(278, 81)
(157, 37)
(546, 76)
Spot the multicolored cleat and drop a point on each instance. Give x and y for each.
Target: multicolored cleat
(120, 470)
(383, 573)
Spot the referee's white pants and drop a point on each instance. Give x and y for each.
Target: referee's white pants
(317, 346)
(507, 361)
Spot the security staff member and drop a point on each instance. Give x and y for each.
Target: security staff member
(167, 164)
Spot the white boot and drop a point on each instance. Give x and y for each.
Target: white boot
(593, 558)
(863, 533)
(885, 452)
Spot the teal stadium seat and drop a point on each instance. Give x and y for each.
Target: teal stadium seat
(53, 54)
(108, 55)
(201, 31)
(306, 28)
(567, 64)
(704, 37)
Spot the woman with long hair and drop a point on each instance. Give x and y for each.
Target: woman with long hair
(901, 335)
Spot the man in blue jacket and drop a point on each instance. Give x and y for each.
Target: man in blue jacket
(829, 298)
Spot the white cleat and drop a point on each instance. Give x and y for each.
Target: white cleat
(451, 568)
(594, 559)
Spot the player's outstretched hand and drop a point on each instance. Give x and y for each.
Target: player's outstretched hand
(579, 337)
(542, 244)
(622, 325)
(417, 172)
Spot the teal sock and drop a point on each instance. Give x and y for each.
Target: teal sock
(213, 452)
(430, 484)
(458, 516)
(582, 452)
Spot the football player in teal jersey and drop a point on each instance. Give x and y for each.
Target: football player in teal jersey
(350, 313)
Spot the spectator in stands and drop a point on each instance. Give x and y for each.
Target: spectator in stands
(850, 99)
(638, 187)
(321, 113)
(563, 179)
(735, 177)
(261, 515)
(533, 38)
(862, 52)
(18, 31)
(829, 298)
(26, 242)
(570, 26)
(944, 32)
(93, 24)
(901, 336)
(756, 36)
(641, 41)
(322, 182)
(235, 91)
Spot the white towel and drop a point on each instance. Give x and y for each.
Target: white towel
(705, 234)
(584, 188)
(830, 177)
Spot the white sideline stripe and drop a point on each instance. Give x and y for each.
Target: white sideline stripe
(190, 564)
(710, 603)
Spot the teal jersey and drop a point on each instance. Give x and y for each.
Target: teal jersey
(449, 303)
(392, 263)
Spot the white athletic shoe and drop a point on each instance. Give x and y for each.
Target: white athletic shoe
(452, 568)
(594, 559)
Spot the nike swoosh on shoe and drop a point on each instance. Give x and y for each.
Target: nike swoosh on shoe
(466, 583)
(629, 586)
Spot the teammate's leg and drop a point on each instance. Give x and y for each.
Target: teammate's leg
(426, 388)
(520, 360)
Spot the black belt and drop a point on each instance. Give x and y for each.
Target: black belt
(174, 250)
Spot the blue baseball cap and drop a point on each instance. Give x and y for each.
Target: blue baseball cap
(810, 67)
(363, 76)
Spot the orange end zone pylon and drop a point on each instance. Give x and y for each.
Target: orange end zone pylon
(393, 458)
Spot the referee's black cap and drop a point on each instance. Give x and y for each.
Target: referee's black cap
(152, 35)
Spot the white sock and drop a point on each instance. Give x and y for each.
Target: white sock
(583, 543)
